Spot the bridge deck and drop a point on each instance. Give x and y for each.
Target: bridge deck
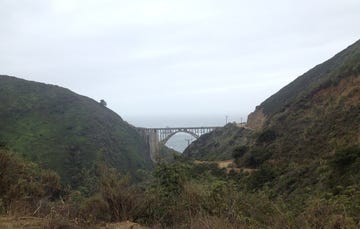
(179, 128)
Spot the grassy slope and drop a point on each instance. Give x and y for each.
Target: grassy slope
(343, 64)
(312, 117)
(219, 144)
(319, 112)
(66, 132)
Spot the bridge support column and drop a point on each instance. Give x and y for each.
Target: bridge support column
(154, 145)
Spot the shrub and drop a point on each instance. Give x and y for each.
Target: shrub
(23, 184)
(259, 178)
(206, 169)
(256, 156)
(238, 153)
(266, 136)
(170, 178)
(119, 195)
(95, 209)
(344, 158)
(51, 183)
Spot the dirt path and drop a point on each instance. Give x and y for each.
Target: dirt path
(7, 222)
(229, 165)
(21, 222)
(123, 225)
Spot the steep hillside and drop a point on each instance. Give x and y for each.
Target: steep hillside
(317, 113)
(305, 146)
(324, 76)
(312, 117)
(219, 144)
(65, 131)
(306, 122)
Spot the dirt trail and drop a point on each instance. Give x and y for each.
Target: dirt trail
(123, 225)
(7, 222)
(225, 164)
(22, 222)
(229, 165)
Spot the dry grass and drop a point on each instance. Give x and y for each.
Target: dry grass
(229, 165)
(22, 222)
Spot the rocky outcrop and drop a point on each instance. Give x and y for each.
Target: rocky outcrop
(256, 119)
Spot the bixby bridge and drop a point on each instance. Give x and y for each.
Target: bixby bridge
(155, 137)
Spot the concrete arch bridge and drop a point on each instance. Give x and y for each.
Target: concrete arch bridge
(155, 137)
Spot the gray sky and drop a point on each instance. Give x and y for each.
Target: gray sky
(163, 57)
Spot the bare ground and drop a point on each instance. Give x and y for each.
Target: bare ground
(229, 165)
(7, 222)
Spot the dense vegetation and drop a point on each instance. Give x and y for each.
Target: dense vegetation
(184, 194)
(24, 184)
(66, 132)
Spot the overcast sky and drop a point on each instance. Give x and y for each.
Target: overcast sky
(186, 57)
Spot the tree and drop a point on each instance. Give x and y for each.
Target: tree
(103, 103)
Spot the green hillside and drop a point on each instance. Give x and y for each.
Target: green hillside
(318, 113)
(306, 136)
(66, 132)
(311, 118)
(330, 73)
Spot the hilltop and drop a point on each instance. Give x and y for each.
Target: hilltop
(66, 132)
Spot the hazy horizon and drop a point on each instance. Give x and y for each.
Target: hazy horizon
(173, 58)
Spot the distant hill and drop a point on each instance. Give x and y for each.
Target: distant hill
(66, 132)
(218, 144)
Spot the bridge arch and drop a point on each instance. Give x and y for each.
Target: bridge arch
(165, 140)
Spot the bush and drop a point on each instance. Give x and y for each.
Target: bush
(206, 169)
(238, 153)
(344, 158)
(256, 157)
(23, 184)
(266, 136)
(170, 178)
(259, 178)
(120, 197)
(95, 209)
(51, 183)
